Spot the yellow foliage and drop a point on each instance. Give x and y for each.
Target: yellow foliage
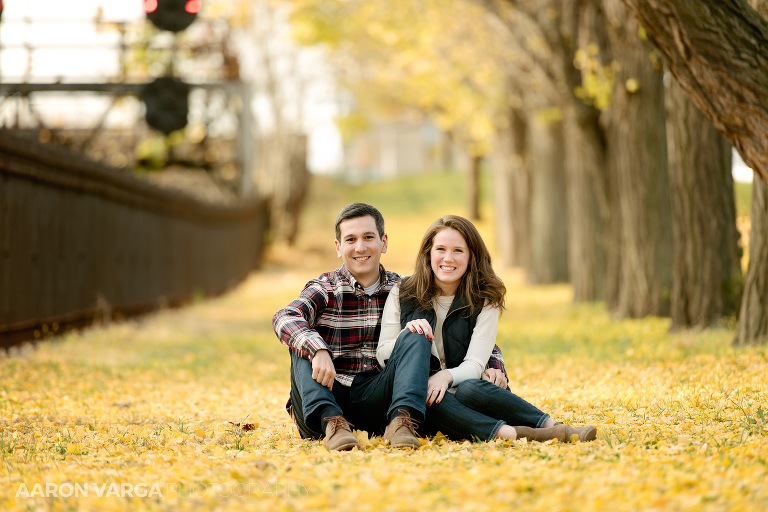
(440, 59)
(597, 80)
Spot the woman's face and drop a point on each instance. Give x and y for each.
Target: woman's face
(449, 258)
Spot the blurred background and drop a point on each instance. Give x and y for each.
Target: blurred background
(153, 149)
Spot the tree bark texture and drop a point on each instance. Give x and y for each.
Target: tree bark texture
(501, 166)
(718, 51)
(707, 269)
(638, 147)
(753, 317)
(511, 191)
(473, 190)
(589, 210)
(549, 210)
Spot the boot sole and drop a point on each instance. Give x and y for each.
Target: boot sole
(405, 445)
(591, 434)
(344, 447)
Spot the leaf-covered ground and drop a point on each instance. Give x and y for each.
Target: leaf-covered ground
(183, 410)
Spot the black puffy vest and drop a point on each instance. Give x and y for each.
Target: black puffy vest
(457, 328)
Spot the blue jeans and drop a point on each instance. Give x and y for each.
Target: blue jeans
(478, 410)
(370, 403)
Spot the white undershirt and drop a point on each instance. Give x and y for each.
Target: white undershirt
(369, 290)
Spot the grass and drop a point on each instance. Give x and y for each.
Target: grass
(158, 403)
(743, 194)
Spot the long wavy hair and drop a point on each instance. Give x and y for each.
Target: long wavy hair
(479, 286)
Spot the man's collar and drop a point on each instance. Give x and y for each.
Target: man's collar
(357, 286)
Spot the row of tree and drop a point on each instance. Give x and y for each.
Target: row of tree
(607, 174)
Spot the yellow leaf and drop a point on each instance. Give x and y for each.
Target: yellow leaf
(362, 438)
(632, 85)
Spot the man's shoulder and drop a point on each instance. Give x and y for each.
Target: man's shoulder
(326, 282)
(390, 278)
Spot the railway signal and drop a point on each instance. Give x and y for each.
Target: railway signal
(172, 15)
(167, 103)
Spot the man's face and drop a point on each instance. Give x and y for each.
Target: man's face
(360, 248)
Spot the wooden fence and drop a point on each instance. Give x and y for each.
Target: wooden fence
(81, 241)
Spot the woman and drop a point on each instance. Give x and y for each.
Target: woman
(454, 298)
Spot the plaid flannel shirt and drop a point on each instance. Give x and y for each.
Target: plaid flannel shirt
(334, 313)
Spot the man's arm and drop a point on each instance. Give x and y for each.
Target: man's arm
(294, 324)
(496, 360)
(294, 328)
(495, 371)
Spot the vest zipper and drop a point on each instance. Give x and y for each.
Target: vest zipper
(443, 365)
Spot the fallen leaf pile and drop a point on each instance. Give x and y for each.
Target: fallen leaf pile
(184, 410)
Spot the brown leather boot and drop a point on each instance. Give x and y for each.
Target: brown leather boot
(585, 433)
(338, 434)
(401, 431)
(559, 432)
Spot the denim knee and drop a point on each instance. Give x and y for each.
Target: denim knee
(408, 340)
(500, 403)
(472, 389)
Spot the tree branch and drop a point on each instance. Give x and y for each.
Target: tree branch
(718, 50)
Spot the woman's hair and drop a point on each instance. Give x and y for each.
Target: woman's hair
(478, 286)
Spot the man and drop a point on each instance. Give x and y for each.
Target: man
(332, 330)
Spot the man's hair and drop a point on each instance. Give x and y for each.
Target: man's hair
(355, 210)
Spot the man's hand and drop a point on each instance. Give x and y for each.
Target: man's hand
(323, 370)
(495, 376)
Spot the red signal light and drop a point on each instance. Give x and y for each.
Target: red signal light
(150, 6)
(172, 15)
(193, 6)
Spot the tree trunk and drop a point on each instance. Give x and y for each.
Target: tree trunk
(474, 187)
(511, 192)
(716, 49)
(589, 208)
(707, 277)
(588, 204)
(503, 203)
(638, 148)
(549, 211)
(753, 317)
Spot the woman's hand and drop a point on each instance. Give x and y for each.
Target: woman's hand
(421, 326)
(438, 385)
